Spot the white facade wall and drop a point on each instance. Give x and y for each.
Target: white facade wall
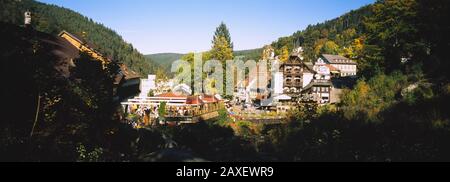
(278, 83)
(147, 85)
(346, 69)
(307, 78)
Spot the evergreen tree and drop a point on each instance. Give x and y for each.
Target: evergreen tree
(393, 29)
(222, 31)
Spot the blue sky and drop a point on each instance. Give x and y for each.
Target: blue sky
(157, 26)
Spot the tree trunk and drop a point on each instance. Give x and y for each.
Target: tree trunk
(37, 114)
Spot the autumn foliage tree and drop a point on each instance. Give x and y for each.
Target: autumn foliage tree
(221, 49)
(368, 98)
(284, 54)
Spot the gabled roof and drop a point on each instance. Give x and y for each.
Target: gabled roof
(129, 74)
(77, 38)
(314, 83)
(294, 58)
(125, 74)
(87, 44)
(337, 59)
(309, 66)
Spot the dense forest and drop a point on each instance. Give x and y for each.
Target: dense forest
(53, 19)
(164, 60)
(388, 36)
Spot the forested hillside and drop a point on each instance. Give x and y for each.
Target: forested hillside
(164, 60)
(406, 35)
(53, 19)
(336, 36)
(251, 54)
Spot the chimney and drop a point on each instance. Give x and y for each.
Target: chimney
(27, 19)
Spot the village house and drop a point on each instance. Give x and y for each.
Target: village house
(296, 81)
(255, 87)
(344, 67)
(318, 91)
(307, 82)
(126, 82)
(84, 46)
(147, 85)
(297, 74)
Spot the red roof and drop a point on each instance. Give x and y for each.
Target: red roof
(261, 96)
(209, 98)
(194, 100)
(170, 94)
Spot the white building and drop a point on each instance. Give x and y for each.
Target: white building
(147, 85)
(307, 76)
(323, 71)
(278, 83)
(345, 66)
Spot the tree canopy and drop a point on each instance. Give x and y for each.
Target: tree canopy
(222, 31)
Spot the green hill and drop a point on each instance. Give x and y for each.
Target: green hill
(250, 54)
(53, 19)
(164, 60)
(341, 30)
